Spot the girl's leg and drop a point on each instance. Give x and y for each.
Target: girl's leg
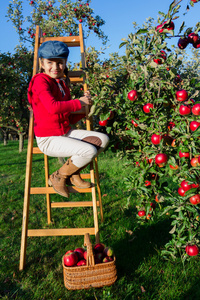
(98, 139)
(81, 153)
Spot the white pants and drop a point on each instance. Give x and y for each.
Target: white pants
(71, 145)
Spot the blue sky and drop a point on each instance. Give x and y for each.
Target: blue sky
(118, 15)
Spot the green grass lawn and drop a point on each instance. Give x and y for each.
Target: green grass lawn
(142, 273)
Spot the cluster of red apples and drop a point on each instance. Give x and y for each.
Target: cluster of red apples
(192, 38)
(78, 257)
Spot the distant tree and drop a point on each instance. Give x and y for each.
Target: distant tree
(15, 70)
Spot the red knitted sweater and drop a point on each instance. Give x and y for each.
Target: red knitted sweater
(52, 112)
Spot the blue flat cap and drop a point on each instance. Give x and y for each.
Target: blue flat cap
(53, 49)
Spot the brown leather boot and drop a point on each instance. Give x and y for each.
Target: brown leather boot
(75, 178)
(58, 178)
(77, 181)
(59, 184)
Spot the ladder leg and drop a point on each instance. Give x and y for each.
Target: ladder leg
(98, 188)
(94, 201)
(46, 165)
(26, 197)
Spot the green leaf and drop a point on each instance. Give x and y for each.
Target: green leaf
(173, 229)
(142, 31)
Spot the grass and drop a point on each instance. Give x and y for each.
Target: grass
(142, 273)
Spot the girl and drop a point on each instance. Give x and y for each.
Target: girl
(52, 106)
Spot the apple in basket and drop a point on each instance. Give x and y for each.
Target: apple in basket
(98, 248)
(98, 257)
(80, 253)
(85, 255)
(81, 262)
(70, 259)
(108, 251)
(106, 259)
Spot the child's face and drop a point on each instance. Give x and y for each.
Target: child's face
(54, 67)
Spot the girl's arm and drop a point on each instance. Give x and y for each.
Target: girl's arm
(42, 87)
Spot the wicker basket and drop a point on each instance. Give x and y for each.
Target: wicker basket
(91, 275)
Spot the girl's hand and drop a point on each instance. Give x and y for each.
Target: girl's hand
(86, 99)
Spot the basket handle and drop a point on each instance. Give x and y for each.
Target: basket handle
(90, 255)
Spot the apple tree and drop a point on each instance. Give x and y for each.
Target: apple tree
(157, 124)
(54, 19)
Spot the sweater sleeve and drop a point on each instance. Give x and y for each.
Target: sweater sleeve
(42, 88)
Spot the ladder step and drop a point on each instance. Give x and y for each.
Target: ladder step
(78, 73)
(73, 204)
(60, 232)
(50, 190)
(76, 80)
(71, 41)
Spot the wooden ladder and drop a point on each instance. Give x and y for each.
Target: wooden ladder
(75, 77)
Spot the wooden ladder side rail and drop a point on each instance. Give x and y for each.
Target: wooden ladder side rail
(28, 167)
(89, 121)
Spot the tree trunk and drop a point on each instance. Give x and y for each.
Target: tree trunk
(21, 142)
(5, 137)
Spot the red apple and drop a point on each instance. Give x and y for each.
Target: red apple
(85, 255)
(185, 110)
(199, 159)
(70, 259)
(132, 95)
(79, 252)
(181, 95)
(163, 55)
(197, 44)
(182, 43)
(181, 191)
(156, 139)
(161, 159)
(106, 259)
(147, 183)
(99, 256)
(108, 251)
(164, 26)
(196, 109)
(103, 123)
(134, 123)
(195, 185)
(81, 262)
(98, 247)
(194, 125)
(186, 186)
(195, 199)
(184, 154)
(193, 38)
(177, 79)
(194, 162)
(141, 213)
(192, 250)
(147, 107)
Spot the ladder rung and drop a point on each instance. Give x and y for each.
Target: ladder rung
(60, 232)
(76, 73)
(76, 79)
(71, 41)
(73, 204)
(36, 150)
(50, 190)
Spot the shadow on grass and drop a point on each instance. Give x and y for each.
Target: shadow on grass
(143, 243)
(193, 293)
